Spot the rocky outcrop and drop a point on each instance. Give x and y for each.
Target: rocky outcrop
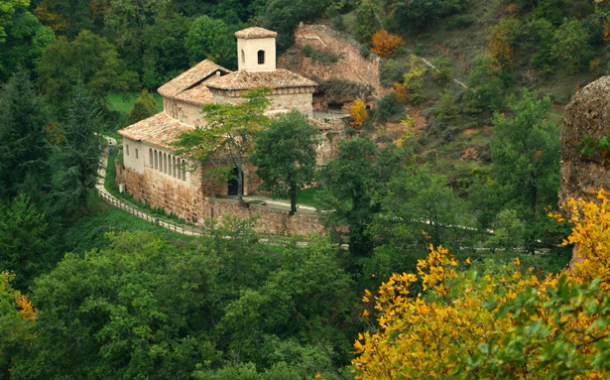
(351, 65)
(587, 114)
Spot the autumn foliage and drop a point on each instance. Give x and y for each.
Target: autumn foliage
(384, 44)
(514, 326)
(358, 113)
(500, 42)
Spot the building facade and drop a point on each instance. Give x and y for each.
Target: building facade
(151, 170)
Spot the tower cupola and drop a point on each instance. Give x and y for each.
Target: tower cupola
(256, 49)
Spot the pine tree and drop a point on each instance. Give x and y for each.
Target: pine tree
(79, 149)
(24, 149)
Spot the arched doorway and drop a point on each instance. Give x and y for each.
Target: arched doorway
(233, 184)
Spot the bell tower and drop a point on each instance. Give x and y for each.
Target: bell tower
(256, 49)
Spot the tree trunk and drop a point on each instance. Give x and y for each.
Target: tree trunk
(293, 198)
(240, 188)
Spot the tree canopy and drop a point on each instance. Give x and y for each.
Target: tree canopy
(285, 155)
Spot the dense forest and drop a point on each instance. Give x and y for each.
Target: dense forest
(89, 292)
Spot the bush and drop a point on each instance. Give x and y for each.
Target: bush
(447, 109)
(571, 45)
(385, 44)
(317, 55)
(416, 14)
(389, 108)
(283, 15)
(442, 73)
(340, 89)
(391, 71)
(459, 22)
(364, 50)
(358, 114)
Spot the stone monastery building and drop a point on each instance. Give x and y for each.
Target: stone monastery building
(153, 174)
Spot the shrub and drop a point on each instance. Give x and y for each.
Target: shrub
(389, 108)
(459, 22)
(571, 45)
(447, 109)
(364, 50)
(442, 73)
(413, 81)
(358, 114)
(318, 55)
(385, 44)
(341, 89)
(500, 41)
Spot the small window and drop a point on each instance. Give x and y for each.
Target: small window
(261, 57)
(136, 154)
(183, 171)
(243, 56)
(150, 157)
(127, 149)
(156, 161)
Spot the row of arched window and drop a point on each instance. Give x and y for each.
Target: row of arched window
(168, 164)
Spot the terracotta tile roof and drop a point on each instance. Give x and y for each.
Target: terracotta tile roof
(243, 80)
(197, 95)
(189, 78)
(159, 130)
(255, 32)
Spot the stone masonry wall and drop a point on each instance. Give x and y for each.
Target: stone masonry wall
(190, 204)
(187, 113)
(270, 221)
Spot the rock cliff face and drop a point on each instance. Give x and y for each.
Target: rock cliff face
(587, 114)
(351, 65)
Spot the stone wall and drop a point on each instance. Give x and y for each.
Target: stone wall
(270, 222)
(160, 191)
(298, 99)
(189, 203)
(187, 113)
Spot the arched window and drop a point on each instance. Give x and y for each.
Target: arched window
(156, 161)
(183, 171)
(174, 166)
(261, 57)
(243, 56)
(150, 159)
(165, 163)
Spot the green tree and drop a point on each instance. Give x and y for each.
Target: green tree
(7, 9)
(283, 16)
(145, 106)
(164, 54)
(16, 321)
(22, 48)
(487, 85)
(24, 149)
(367, 18)
(353, 186)
(571, 45)
(229, 133)
(285, 155)
(89, 58)
(23, 245)
(79, 150)
(211, 39)
(525, 159)
(125, 22)
(137, 309)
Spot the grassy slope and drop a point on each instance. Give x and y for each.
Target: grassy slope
(444, 145)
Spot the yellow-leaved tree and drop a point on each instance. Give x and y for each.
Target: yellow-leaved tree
(358, 113)
(514, 326)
